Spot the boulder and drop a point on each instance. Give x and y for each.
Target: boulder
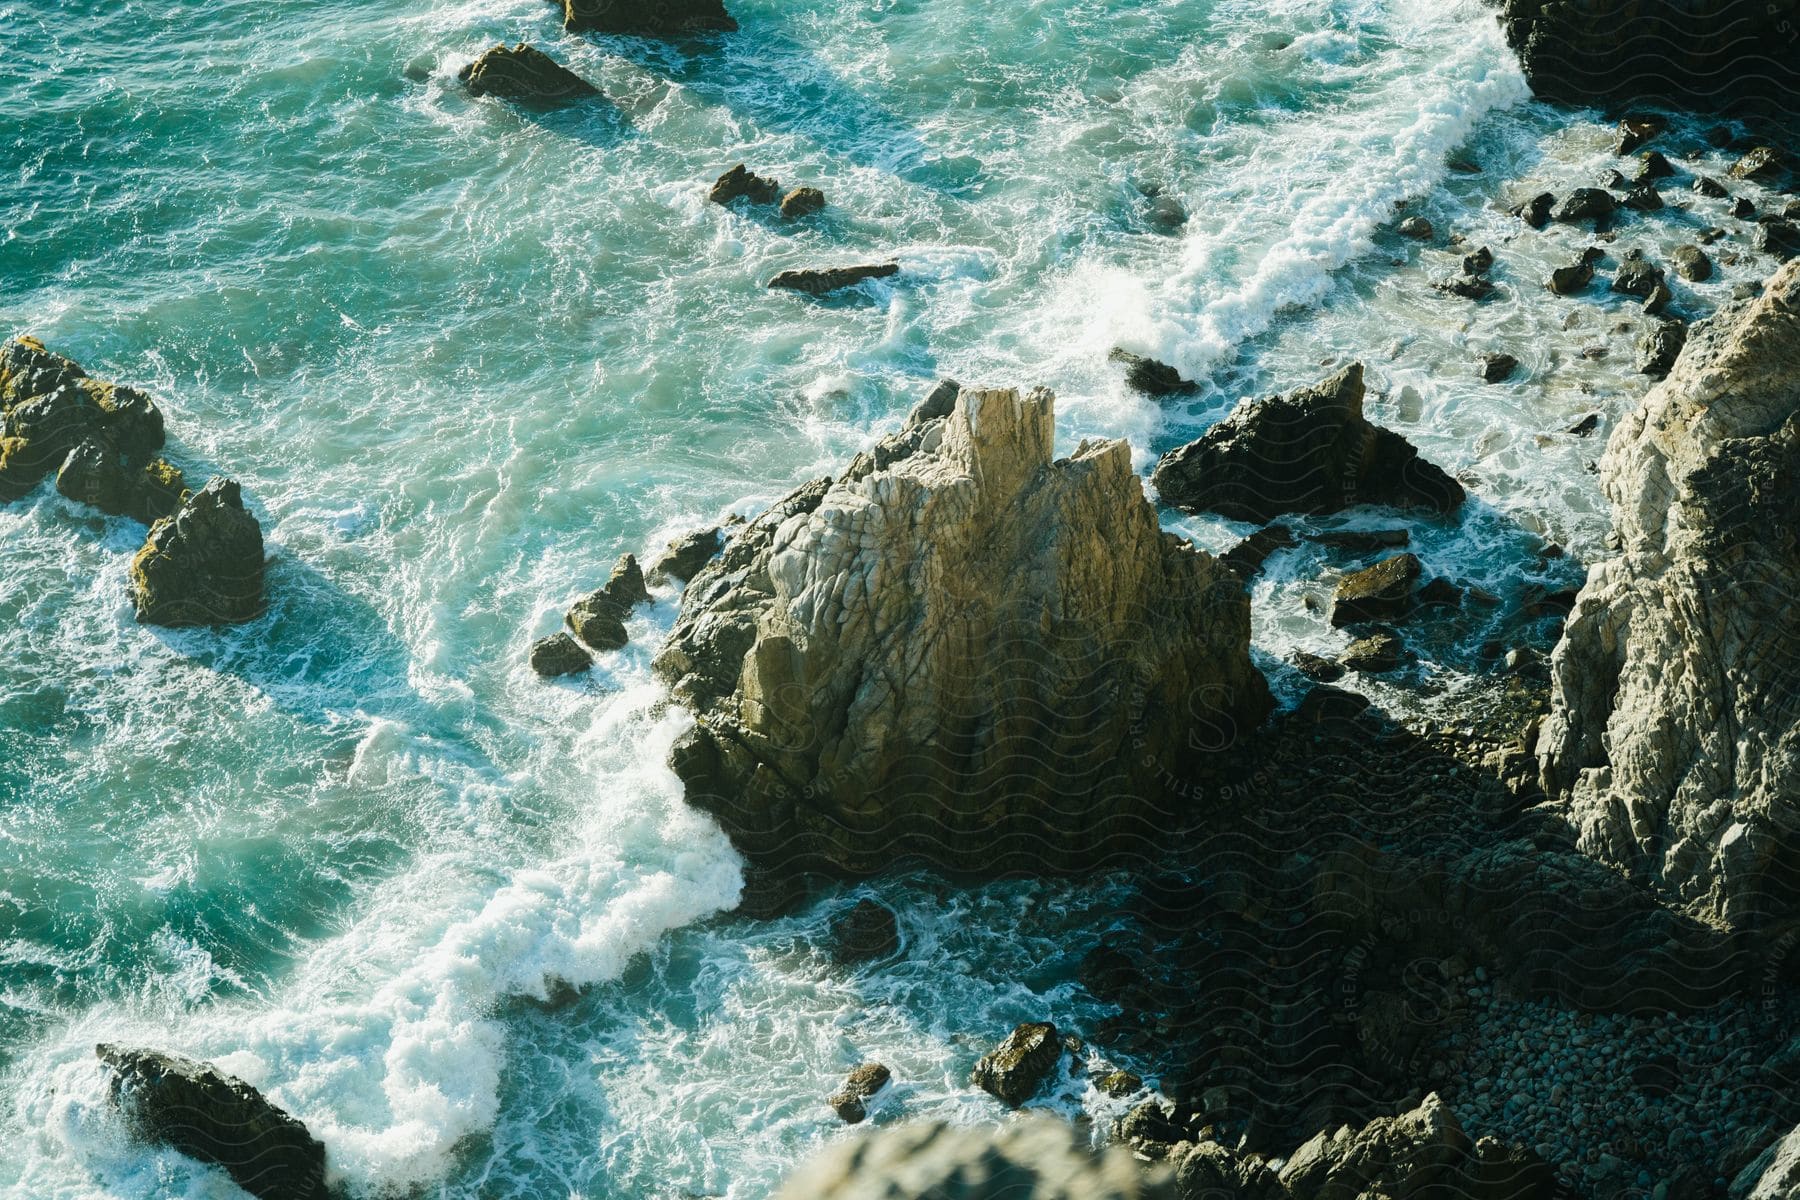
(1497, 368)
(850, 1101)
(1763, 163)
(1742, 209)
(1207, 1170)
(1166, 214)
(1567, 281)
(1536, 211)
(599, 617)
(1478, 262)
(47, 427)
(1672, 738)
(97, 473)
(1706, 185)
(1311, 451)
(1036, 1158)
(1468, 287)
(1586, 204)
(649, 18)
(525, 74)
(1658, 349)
(1637, 276)
(1691, 263)
(1249, 555)
(1417, 228)
(1150, 377)
(1376, 654)
(802, 201)
(964, 651)
(819, 281)
(203, 1113)
(20, 472)
(1644, 198)
(203, 565)
(740, 181)
(1652, 165)
(1315, 667)
(130, 419)
(865, 932)
(1381, 592)
(682, 559)
(558, 655)
(1015, 1069)
(1638, 128)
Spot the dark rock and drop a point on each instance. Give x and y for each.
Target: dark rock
(1613, 180)
(1148, 1127)
(1149, 376)
(1440, 593)
(559, 654)
(651, 18)
(1362, 541)
(1463, 165)
(1706, 185)
(1311, 451)
(1249, 555)
(131, 420)
(1417, 228)
(1652, 165)
(1015, 1069)
(1637, 277)
(1777, 236)
(157, 491)
(1637, 129)
(1658, 301)
(1536, 211)
(685, 555)
(741, 181)
(205, 1114)
(1119, 1084)
(1659, 349)
(1691, 263)
(802, 201)
(599, 618)
(20, 473)
(1586, 425)
(27, 369)
(1375, 654)
(865, 932)
(1166, 214)
(202, 566)
(1379, 593)
(1763, 163)
(819, 281)
(1479, 262)
(1644, 198)
(1497, 367)
(525, 74)
(1586, 204)
(48, 427)
(1567, 281)
(94, 473)
(1468, 287)
(861, 1085)
(1742, 209)
(1315, 667)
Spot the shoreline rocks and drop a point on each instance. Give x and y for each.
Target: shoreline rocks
(1311, 451)
(525, 74)
(1671, 737)
(203, 565)
(598, 618)
(205, 1114)
(960, 652)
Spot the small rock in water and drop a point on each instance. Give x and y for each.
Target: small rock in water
(1376, 654)
(1119, 1084)
(1417, 228)
(1497, 367)
(1536, 211)
(1377, 593)
(1691, 263)
(204, 565)
(559, 654)
(866, 932)
(1652, 165)
(1706, 185)
(818, 281)
(1637, 129)
(684, 556)
(1764, 162)
(1660, 348)
(1316, 667)
(1167, 214)
(525, 74)
(1469, 287)
(801, 202)
(1586, 425)
(1644, 198)
(1014, 1070)
(1659, 299)
(1150, 377)
(1479, 262)
(1637, 276)
(1586, 204)
(741, 181)
(862, 1084)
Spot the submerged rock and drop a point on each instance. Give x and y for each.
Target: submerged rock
(741, 182)
(1015, 1069)
(819, 281)
(205, 1114)
(655, 18)
(1310, 451)
(866, 932)
(558, 655)
(961, 651)
(526, 74)
(1149, 376)
(863, 1082)
(202, 566)
(1496, 368)
(1671, 737)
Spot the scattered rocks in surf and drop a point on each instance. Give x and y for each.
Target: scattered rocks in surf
(1150, 377)
(649, 18)
(559, 655)
(1015, 1069)
(598, 618)
(865, 933)
(801, 202)
(525, 74)
(742, 183)
(820, 281)
(1311, 451)
(850, 1102)
(203, 565)
(1497, 368)
(1586, 204)
(682, 558)
(1382, 592)
(199, 1111)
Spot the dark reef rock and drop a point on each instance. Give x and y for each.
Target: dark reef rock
(1691, 263)
(205, 1114)
(202, 566)
(1637, 276)
(525, 74)
(1310, 451)
(1497, 368)
(1150, 377)
(819, 281)
(742, 182)
(1659, 348)
(1015, 1069)
(1536, 211)
(1417, 228)
(650, 18)
(1376, 654)
(559, 655)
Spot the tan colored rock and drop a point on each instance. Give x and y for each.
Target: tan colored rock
(961, 651)
(1674, 733)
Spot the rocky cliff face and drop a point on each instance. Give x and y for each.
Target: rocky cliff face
(1713, 53)
(1674, 735)
(961, 651)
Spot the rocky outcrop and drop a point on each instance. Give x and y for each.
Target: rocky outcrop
(559, 655)
(850, 1102)
(1773, 1175)
(682, 558)
(962, 651)
(525, 74)
(1709, 53)
(801, 202)
(1378, 593)
(1032, 1159)
(742, 183)
(1416, 1154)
(1150, 377)
(1311, 451)
(1674, 733)
(1015, 1069)
(650, 18)
(202, 566)
(51, 410)
(205, 1114)
(820, 281)
(598, 618)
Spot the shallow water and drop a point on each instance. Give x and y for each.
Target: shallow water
(462, 356)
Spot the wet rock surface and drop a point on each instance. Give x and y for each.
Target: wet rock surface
(203, 565)
(525, 74)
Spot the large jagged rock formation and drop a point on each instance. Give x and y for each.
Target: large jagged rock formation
(216, 1118)
(1311, 451)
(202, 566)
(961, 651)
(526, 74)
(1674, 733)
(1708, 53)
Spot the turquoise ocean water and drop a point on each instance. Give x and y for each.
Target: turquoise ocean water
(462, 356)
